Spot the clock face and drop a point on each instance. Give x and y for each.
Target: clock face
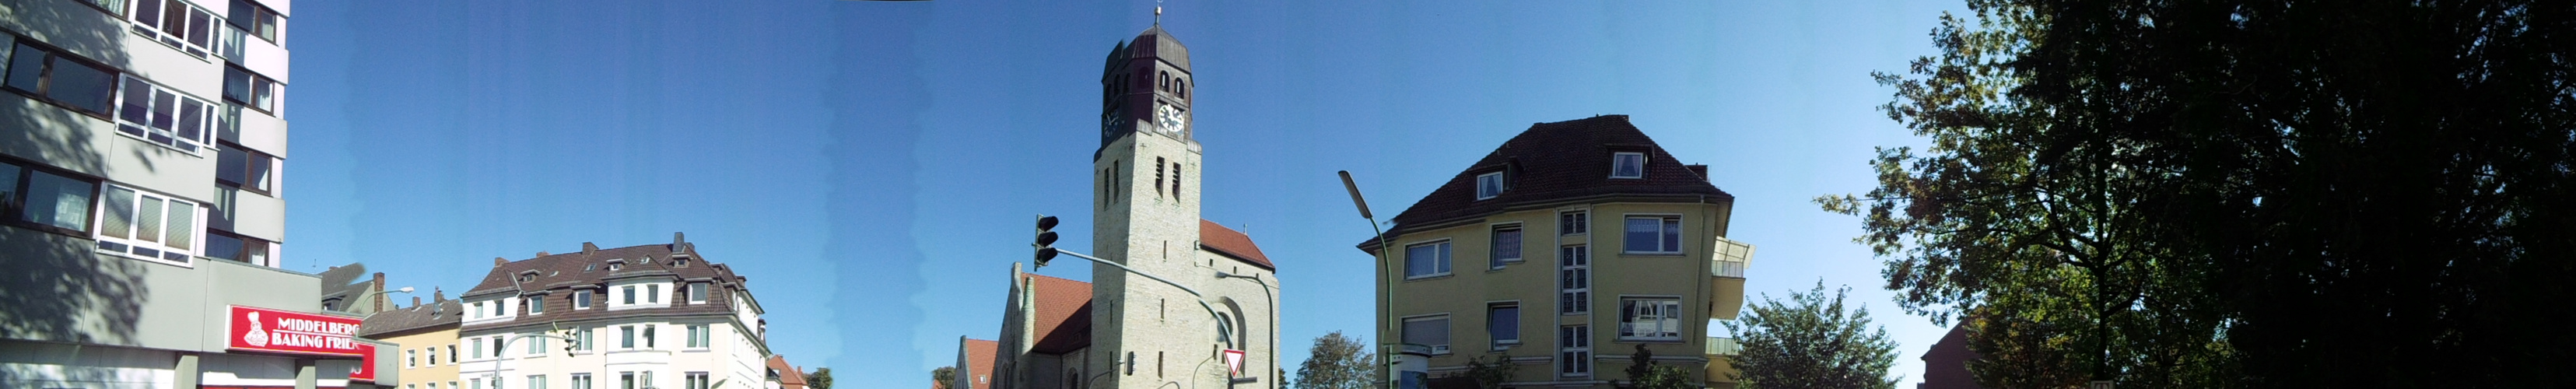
(1170, 118)
(1109, 122)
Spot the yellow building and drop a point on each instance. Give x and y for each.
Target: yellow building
(426, 335)
(1565, 251)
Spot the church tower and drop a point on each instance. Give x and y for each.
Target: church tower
(1146, 333)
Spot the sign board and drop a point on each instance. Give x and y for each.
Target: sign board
(366, 370)
(270, 330)
(1234, 362)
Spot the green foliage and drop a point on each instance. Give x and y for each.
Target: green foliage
(1811, 342)
(945, 376)
(1488, 374)
(2231, 193)
(821, 378)
(1338, 362)
(1643, 373)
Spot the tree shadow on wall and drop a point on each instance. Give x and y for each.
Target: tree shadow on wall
(56, 288)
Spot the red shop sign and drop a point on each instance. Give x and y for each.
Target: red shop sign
(367, 366)
(270, 330)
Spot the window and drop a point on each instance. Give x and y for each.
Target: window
(1503, 324)
(433, 356)
(581, 299)
(536, 304)
(258, 21)
(626, 379)
(581, 381)
(630, 293)
(616, 266)
(698, 336)
(250, 90)
(1574, 280)
(648, 335)
(536, 345)
(581, 340)
(1426, 260)
(175, 23)
(236, 248)
(536, 382)
(1507, 245)
(478, 348)
(411, 358)
(698, 380)
(1573, 222)
(1430, 331)
(147, 225)
(451, 358)
(1650, 318)
(653, 293)
(1574, 350)
(112, 7)
(244, 169)
(165, 117)
(698, 292)
(47, 201)
(1628, 165)
(1158, 176)
(1654, 234)
(478, 382)
(627, 334)
(1176, 180)
(1489, 185)
(62, 79)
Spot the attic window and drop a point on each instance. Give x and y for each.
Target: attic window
(1628, 165)
(682, 262)
(1489, 185)
(528, 277)
(589, 267)
(615, 266)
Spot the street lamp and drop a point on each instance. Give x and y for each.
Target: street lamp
(1274, 313)
(378, 292)
(1386, 354)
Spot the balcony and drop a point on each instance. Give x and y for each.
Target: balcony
(1721, 361)
(1727, 262)
(1723, 346)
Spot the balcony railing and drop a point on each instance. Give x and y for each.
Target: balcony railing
(1724, 346)
(1730, 269)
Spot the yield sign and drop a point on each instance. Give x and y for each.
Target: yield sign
(1234, 362)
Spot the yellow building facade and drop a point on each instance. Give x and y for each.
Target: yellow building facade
(1566, 252)
(426, 335)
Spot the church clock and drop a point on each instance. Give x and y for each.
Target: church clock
(1170, 118)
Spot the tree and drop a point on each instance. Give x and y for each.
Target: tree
(1338, 362)
(1488, 374)
(1811, 342)
(821, 378)
(1643, 373)
(944, 376)
(2231, 193)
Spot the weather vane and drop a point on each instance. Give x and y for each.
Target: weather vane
(1158, 12)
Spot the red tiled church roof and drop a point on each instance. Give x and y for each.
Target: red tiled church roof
(1063, 310)
(1233, 244)
(979, 359)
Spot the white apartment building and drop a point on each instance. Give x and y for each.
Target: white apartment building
(142, 144)
(639, 317)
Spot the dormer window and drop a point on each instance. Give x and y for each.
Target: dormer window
(1489, 185)
(589, 267)
(1628, 165)
(615, 266)
(681, 262)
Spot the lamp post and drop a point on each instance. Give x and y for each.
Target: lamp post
(1274, 312)
(1386, 354)
(378, 292)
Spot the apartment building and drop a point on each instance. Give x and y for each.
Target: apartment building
(426, 336)
(649, 316)
(1565, 251)
(141, 146)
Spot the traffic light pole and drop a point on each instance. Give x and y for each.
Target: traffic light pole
(1221, 325)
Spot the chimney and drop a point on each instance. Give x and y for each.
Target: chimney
(1701, 170)
(415, 301)
(588, 248)
(437, 295)
(678, 238)
(498, 261)
(542, 254)
(380, 292)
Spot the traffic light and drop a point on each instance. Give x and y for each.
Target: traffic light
(1046, 239)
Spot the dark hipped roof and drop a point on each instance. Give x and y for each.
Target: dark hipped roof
(432, 316)
(1556, 162)
(1232, 244)
(561, 274)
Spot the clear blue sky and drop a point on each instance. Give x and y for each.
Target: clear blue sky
(872, 166)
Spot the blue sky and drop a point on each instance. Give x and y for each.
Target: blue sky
(872, 166)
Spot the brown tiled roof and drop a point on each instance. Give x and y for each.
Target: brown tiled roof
(1233, 244)
(1063, 314)
(559, 275)
(788, 376)
(979, 359)
(1553, 162)
(393, 322)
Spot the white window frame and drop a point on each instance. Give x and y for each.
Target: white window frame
(1616, 160)
(698, 380)
(1662, 228)
(1669, 313)
(581, 381)
(1574, 279)
(195, 230)
(212, 25)
(411, 358)
(536, 381)
(698, 291)
(626, 337)
(1494, 245)
(1498, 343)
(536, 345)
(652, 293)
(627, 295)
(478, 347)
(171, 138)
(1489, 185)
(1449, 327)
(1582, 222)
(582, 299)
(584, 340)
(1441, 265)
(1574, 350)
(698, 336)
(536, 304)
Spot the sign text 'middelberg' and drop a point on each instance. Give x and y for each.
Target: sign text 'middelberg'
(292, 332)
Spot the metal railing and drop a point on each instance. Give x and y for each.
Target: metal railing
(1732, 269)
(1724, 346)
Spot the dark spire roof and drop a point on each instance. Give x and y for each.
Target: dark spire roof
(1154, 43)
(1556, 162)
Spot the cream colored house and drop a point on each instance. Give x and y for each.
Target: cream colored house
(426, 335)
(657, 316)
(1565, 251)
